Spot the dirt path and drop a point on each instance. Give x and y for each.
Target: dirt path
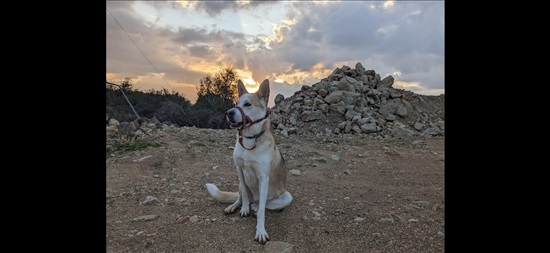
(354, 194)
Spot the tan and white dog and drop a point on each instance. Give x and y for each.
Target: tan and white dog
(260, 164)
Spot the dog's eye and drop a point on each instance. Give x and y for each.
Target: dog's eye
(247, 104)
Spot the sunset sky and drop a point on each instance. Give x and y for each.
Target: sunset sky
(173, 44)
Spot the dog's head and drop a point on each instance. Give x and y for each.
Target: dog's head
(253, 105)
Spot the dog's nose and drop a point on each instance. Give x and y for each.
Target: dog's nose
(230, 113)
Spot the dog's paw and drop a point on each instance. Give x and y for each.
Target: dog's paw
(230, 209)
(254, 206)
(261, 236)
(245, 211)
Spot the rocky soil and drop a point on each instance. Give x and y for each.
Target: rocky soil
(351, 194)
(366, 166)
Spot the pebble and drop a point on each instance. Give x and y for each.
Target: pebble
(149, 200)
(146, 217)
(295, 172)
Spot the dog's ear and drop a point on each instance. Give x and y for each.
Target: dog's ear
(263, 91)
(240, 86)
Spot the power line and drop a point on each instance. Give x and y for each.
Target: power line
(139, 49)
(111, 76)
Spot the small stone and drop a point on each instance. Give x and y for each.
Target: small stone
(295, 172)
(386, 220)
(278, 247)
(359, 219)
(194, 218)
(146, 217)
(422, 203)
(149, 200)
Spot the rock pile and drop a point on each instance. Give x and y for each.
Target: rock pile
(358, 101)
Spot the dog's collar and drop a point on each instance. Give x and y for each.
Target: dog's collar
(255, 136)
(247, 120)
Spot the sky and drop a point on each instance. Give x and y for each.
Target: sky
(173, 44)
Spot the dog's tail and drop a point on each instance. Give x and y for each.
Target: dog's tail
(222, 196)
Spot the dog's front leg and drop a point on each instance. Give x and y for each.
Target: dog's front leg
(261, 235)
(242, 192)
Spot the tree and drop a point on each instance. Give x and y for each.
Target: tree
(223, 85)
(216, 95)
(126, 85)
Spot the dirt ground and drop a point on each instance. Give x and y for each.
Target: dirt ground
(351, 193)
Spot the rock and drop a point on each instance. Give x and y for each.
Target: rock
(113, 122)
(386, 220)
(334, 97)
(306, 116)
(143, 158)
(431, 131)
(423, 203)
(359, 219)
(370, 128)
(359, 69)
(146, 218)
(401, 111)
(279, 98)
(278, 247)
(194, 218)
(295, 172)
(354, 95)
(149, 200)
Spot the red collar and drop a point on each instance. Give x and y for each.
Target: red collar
(247, 120)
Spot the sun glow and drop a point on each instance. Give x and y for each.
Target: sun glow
(245, 75)
(250, 85)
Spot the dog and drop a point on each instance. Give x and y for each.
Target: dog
(259, 162)
(131, 129)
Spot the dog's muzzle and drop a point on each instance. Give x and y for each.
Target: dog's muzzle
(234, 118)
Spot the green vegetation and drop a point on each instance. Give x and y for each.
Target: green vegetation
(123, 146)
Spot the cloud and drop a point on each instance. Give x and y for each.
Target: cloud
(203, 35)
(404, 36)
(300, 48)
(214, 8)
